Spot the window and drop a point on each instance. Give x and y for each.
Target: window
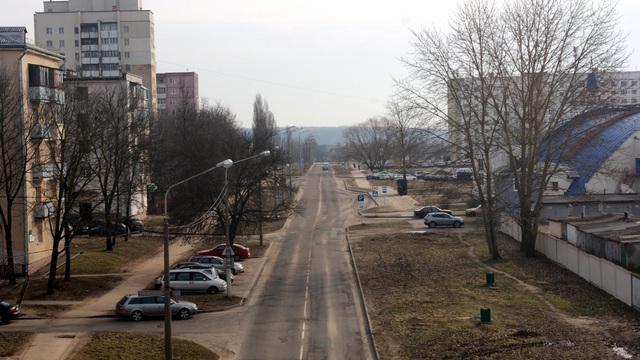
(174, 91)
(173, 101)
(127, 68)
(634, 83)
(162, 101)
(515, 189)
(49, 31)
(60, 30)
(172, 80)
(126, 28)
(127, 54)
(49, 43)
(77, 43)
(623, 83)
(77, 56)
(61, 43)
(554, 186)
(161, 90)
(126, 42)
(75, 30)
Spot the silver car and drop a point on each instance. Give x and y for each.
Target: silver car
(137, 307)
(193, 280)
(216, 262)
(442, 219)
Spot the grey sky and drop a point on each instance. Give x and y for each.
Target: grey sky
(317, 63)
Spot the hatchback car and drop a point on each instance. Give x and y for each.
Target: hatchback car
(442, 219)
(8, 312)
(216, 262)
(239, 251)
(137, 307)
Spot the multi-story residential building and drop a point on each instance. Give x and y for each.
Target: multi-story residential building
(126, 161)
(101, 38)
(39, 79)
(176, 90)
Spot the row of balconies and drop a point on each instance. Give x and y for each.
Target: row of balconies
(89, 47)
(41, 93)
(89, 35)
(46, 132)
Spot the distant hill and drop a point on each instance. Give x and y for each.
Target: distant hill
(324, 135)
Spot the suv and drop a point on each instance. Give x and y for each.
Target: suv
(443, 219)
(216, 262)
(196, 280)
(136, 307)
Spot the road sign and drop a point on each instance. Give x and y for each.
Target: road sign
(375, 188)
(374, 193)
(360, 202)
(384, 189)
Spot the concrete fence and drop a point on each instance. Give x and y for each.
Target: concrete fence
(615, 280)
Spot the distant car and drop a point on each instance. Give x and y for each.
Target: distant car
(424, 210)
(325, 166)
(8, 312)
(137, 307)
(216, 262)
(207, 267)
(239, 251)
(442, 219)
(472, 212)
(79, 226)
(98, 228)
(133, 225)
(193, 280)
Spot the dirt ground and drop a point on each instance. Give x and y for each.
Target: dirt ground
(425, 293)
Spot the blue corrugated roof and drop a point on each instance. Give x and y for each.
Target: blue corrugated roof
(598, 135)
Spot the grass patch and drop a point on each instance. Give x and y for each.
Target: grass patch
(114, 345)
(433, 291)
(13, 343)
(76, 289)
(95, 259)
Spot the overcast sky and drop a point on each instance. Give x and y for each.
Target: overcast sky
(316, 63)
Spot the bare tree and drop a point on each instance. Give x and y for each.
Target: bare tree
(503, 81)
(368, 142)
(405, 133)
(16, 151)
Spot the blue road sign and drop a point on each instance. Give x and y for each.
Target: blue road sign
(374, 193)
(360, 198)
(384, 189)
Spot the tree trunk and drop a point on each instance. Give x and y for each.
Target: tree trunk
(53, 265)
(11, 273)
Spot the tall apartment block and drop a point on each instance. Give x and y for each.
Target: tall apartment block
(101, 38)
(178, 90)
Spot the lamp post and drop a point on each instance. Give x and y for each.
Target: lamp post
(228, 248)
(168, 351)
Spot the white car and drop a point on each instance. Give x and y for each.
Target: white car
(474, 211)
(193, 280)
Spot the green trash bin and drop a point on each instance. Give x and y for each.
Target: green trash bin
(490, 279)
(485, 315)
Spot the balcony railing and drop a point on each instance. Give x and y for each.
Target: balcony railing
(43, 210)
(44, 171)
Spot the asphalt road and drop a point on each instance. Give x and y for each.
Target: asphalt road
(307, 306)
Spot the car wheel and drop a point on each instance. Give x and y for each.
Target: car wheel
(236, 257)
(456, 224)
(472, 214)
(184, 314)
(136, 315)
(432, 224)
(212, 290)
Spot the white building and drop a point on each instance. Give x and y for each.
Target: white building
(101, 38)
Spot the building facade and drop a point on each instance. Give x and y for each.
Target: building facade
(39, 85)
(101, 38)
(175, 91)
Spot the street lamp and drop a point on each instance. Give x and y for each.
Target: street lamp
(228, 248)
(168, 351)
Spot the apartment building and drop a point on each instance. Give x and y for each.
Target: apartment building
(101, 38)
(38, 79)
(176, 90)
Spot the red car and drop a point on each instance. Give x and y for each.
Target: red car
(239, 251)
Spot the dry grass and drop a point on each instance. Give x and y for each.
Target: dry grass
(116, 345)
(434, 290)
(14, 342)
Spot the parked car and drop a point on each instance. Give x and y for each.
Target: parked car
(207, 267)
(98, 228)
(8, 312)
(137, 307)
(239, 251)
(133, 225)
(79, 226)
(442, 219)
(472, 212)
(217, 262)
(325, 166)
(193, 280)
(424, 210)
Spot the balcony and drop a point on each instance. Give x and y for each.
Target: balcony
(44, 171)
(40, 132)
(45, 94)
(43, 210)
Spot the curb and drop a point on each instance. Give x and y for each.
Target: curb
(363, 302)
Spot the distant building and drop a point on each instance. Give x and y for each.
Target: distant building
(102, 38)
(178, 90)
(39, 84)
